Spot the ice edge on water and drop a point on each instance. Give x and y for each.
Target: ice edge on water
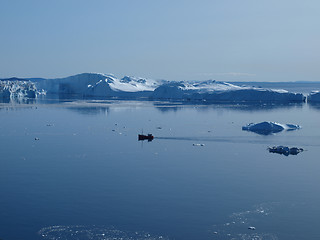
(75, 232)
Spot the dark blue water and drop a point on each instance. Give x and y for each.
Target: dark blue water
(87, 176)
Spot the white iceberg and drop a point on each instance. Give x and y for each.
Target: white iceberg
(267, 128)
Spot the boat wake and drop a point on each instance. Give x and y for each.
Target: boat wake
(243, 139)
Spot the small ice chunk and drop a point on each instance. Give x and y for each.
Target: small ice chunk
(251, 228)
(264, 128)
(198, 144)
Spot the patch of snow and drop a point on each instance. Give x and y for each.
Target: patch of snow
(208, 86)
(133, 84)
(198, 144)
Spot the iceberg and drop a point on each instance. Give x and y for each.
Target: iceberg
(267, 128)
(14, 88)
(314, 97)
(99, 85)
(221, 92)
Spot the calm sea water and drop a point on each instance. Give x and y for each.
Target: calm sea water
(88, 177)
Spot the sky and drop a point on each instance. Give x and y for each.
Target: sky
(228, 40)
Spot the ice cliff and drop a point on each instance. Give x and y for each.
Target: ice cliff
(98, 85)
(17, 89)
(107, 85)
(314, 97)
(223, 92)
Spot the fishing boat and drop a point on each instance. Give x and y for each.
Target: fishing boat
(148, 137)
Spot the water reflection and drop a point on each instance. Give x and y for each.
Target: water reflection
(167, 109)
(90, 110)
(283, 150)
(250, 107)
(103, 106)
(18, 100)
(315, 106)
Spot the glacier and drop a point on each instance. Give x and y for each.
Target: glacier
(99, 85)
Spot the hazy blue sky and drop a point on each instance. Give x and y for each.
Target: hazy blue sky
(261, 40)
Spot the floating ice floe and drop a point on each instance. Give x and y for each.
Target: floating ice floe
(198, 144)
(285, 150)
(267, 128)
